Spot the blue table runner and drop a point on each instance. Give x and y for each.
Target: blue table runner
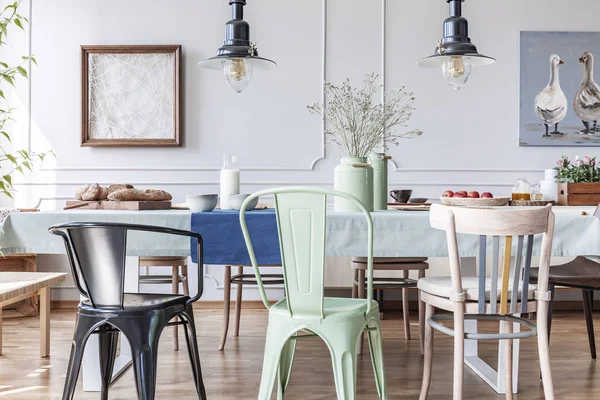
(224, 242)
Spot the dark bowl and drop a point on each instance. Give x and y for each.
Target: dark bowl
(401, 196)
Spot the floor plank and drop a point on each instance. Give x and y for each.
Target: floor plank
(235, 373)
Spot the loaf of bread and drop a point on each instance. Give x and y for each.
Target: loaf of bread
(95, 192)
(139, 195)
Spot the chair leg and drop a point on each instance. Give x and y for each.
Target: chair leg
(542, 321)
(354, 286)
(143, 336)
(175, 290)
(45, 322)
(186, 281)
(551, 290)
(459, 350)
(274, 344)
(405, 311)
(226, 305)
(361, 295)
(0, 330)
(376, 349)
(108, 351)
(421, 315)
(428, 353)
(589, 320)
(285, 367)
(508, 359)
(83, 329)
(238, 305)
(343, 357)
(192, 345)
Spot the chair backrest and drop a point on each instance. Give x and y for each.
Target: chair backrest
(301, 220)
(97, 252)
(504, 222)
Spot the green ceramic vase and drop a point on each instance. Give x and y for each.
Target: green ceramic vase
(379, 161)
(354, 175)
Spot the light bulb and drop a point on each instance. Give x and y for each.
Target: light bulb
(456, 71)
(238, 72)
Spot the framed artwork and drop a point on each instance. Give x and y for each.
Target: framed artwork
(131, 95)
(559, 99)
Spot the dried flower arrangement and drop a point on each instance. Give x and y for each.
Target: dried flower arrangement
(357, 123)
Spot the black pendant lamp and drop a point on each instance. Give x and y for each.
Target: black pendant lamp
(238, 57)
(455, 53)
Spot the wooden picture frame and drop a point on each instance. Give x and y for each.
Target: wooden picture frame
(130, 97)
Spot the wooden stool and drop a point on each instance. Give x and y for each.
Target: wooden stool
(174, 279)
(240, 280)
(404, 264)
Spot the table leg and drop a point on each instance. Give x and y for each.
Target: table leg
(226, 305)
(238, 304)
(405, 310)
(45, 322)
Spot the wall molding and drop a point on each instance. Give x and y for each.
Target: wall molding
(262, 183)
(263, 169)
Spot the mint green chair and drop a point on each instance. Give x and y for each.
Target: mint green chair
(339, 322)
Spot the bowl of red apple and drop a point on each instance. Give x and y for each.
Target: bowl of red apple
(472, 199)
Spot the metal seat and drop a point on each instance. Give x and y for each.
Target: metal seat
(97, 253)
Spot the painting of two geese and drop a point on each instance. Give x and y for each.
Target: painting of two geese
(560, 100)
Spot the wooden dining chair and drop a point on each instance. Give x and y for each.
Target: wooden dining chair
(580, 273)
(305, 312)
(493, 298)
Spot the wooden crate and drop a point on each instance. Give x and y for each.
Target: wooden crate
(578, 194)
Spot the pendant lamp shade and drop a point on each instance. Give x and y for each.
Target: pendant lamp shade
(455, 54)
(238, 57)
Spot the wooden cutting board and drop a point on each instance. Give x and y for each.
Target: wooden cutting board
(118, 205)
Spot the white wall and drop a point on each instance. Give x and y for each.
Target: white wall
(470, 137)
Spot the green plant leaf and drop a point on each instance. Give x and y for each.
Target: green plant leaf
(12, 159)
(4, 65)
(8, 179)
(18, 23)
(27, 165)
(8, 79)
(22, 71)
(20, 169)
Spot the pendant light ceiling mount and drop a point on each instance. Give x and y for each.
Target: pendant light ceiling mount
(455, 52)
(238, 56)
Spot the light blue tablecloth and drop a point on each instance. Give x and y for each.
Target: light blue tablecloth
(397, 233)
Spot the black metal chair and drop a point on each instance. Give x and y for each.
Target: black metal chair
(97, 253)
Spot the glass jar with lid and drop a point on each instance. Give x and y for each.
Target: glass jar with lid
(522, 190)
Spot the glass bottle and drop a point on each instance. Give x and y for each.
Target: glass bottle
(230, 180)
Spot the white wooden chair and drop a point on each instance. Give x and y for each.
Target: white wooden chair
(469, 298)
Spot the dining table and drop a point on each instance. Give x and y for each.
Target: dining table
(396, 234)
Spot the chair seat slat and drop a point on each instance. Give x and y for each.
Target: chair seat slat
(482, 272)
(517, 276)
(495, 257)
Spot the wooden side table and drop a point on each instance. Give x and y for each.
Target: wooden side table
(22, 263)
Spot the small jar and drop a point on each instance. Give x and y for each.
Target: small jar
(536, 193)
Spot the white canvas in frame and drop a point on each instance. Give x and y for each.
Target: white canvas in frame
(131, 96)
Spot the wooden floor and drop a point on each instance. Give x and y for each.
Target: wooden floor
(235, 373)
